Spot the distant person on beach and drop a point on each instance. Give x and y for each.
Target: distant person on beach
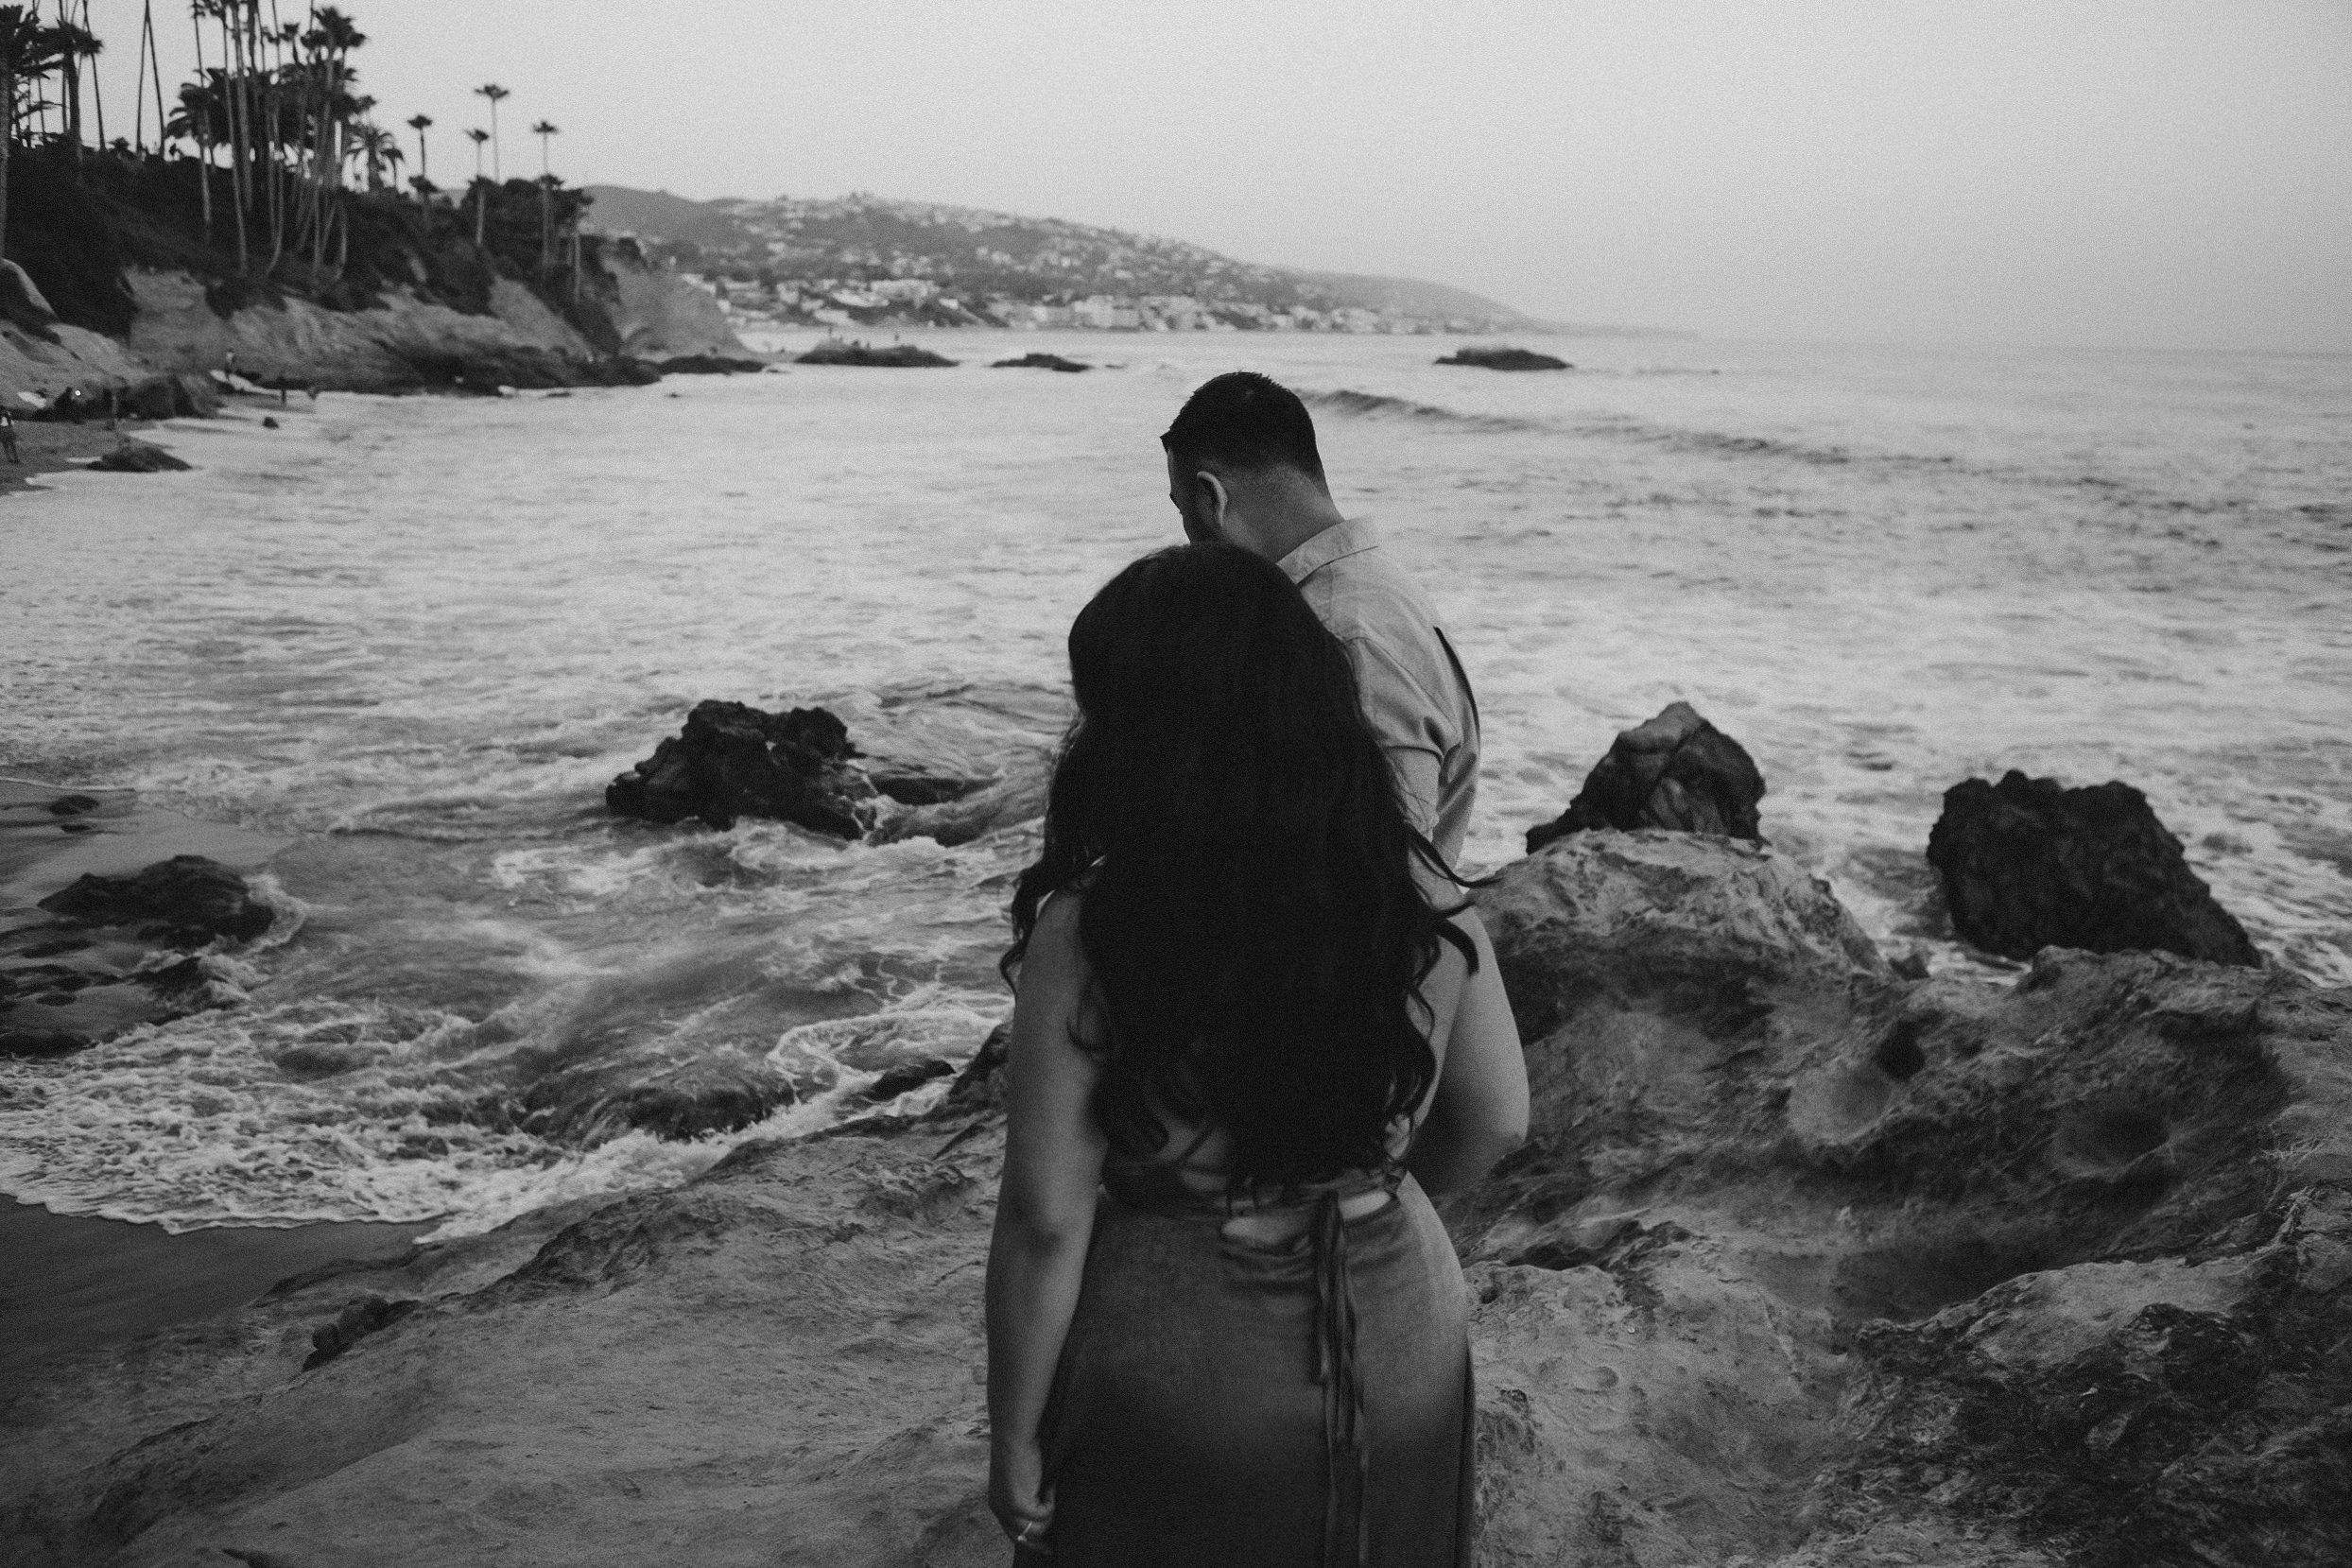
(8, 436)
(1242, 466)
(1224, 1324)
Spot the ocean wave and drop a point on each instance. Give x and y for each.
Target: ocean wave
(1377, 406)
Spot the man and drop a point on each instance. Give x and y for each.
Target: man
(1242, 467)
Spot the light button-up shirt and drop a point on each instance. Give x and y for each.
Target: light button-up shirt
(1415, 692)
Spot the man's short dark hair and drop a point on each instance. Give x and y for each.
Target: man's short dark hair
(1243, 421)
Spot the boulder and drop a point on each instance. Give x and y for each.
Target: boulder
(897, 356)
(735, 761)
(184, 902)
(1677, 772)
(1041, 362)
(710, 364)
(138, 457)
(1807, 1265)
(2027, 864)
(156, 398)
(1506, 359)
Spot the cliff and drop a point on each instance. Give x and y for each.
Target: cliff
(115, 276)
(1805, 1265)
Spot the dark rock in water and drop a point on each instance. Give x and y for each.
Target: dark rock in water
(1506, 359)
(912, 1074)
(897, 356)
(184, 902)
(1678, 772)
(1040, 362)
(710, 364)
(2029, 864)
(1019, 796)
(138, 457)
(71, 805)
(912, 786)
(735, 761)
(39, 1044)
(687, 1101)
(268, 423)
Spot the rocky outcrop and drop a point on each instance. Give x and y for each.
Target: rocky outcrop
(1041, 362)
(800, 766)
(711, 364)
(897, 356)
(403, 343)
(121, 951)
(2027, 864)
(138, 457)
(1804, 1266)
(733, 761)
(656, 315)
(1506, 359)
(1677, 772)
(184, 902)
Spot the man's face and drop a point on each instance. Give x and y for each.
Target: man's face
(1192, 504)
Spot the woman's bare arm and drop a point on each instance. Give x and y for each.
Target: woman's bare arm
(1044, 1208)
(1479, 1111)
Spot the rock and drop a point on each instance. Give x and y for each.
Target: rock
(1803, 1266)
(1756, 1151)
(22, 301)
(156, 398)
(1017, 798)
(184, 902)
(2027, 864)
(354, 1324)
(898, 1081)
(735, 761)
(1506, 359)
(682, 1102)
(138, 457)
(1040, 362)
(898, 355)
(1676, 771)
(710, 364)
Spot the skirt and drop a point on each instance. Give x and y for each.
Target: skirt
(1229, 1403)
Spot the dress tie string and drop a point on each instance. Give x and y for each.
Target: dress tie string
(1346, 1433)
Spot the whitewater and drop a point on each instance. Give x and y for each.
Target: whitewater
(408, 641)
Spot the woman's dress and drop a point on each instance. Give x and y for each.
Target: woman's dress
(1249, 1405)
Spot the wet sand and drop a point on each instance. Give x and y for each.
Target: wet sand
(70, 1284)
(55, 448)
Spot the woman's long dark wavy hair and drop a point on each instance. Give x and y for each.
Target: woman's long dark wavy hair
(1252, 917)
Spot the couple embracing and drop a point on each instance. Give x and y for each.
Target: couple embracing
(1256, 1026)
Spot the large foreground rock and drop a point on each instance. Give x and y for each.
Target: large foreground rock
(1676, 771)
(1805, 1265)
(733, 761)
(2029, 864)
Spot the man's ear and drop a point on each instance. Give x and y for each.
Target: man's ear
(1210, 496)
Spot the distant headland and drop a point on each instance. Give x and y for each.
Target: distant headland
(868, 261)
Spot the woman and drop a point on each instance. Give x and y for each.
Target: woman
(1224, 1325)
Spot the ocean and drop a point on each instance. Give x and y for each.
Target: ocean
(403, 644)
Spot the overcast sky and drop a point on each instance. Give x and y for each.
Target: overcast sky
(2134, 173)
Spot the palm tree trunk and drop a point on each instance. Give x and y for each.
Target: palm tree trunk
(7, 135)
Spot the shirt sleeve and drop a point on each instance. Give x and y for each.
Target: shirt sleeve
(1409, 726)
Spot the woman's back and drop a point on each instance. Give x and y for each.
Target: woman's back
(1225, 1324)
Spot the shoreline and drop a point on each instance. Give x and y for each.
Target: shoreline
(64, 448)
(78, 1283)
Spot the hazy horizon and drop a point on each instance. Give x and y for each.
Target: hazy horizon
(2153, 176)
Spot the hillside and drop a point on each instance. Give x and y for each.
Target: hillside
(980, 263)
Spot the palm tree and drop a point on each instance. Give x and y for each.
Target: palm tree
(27, 53)
(492, 91)
(481, 192)
(545, 130)
(420, 124)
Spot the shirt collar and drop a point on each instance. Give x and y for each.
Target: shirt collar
(1352, 537)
